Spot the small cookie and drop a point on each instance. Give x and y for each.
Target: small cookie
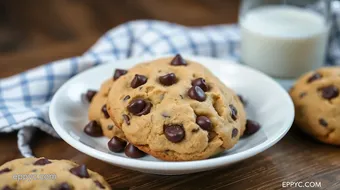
(317, 104)
(176, 110)
(98, 115)
(41, 173)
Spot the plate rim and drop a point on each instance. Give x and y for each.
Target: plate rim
(169, 166)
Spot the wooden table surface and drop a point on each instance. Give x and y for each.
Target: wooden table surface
(64, 28)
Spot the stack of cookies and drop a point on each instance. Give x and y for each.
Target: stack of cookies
(170, 108)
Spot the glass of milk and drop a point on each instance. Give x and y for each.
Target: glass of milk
(284, 38)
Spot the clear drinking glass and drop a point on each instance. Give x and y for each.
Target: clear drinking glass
(284, 38)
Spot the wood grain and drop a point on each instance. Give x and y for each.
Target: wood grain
(39, 31)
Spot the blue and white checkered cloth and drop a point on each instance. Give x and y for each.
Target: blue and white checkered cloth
(25, 98)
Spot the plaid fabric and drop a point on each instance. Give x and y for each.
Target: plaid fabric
(24, 98)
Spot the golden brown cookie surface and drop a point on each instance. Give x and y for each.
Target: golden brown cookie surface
(42, 173)
(96, 112)
(176, 110)
(317, 104)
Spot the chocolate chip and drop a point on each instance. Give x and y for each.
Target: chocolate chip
(139, 80)
(110, 127)
(174, 132)
(197, 93)
(329, 92)
(126, 97)
(7, 188)
(201, 83)
(234, 133)
(178, 61)
(98, 184)
(243, 101)
(126, 119)
(204, 122)
(116, 144)
(314, 77)
(233, 112)
(118, 73)
(168, 79)
(42, 161)
(80, 171)
(251, 127)
(90, 94)
(323, 122)
(133, 152)
(93, 129)
(5, 170)
(104, 110)
(62, 186)
(302, 94)
(139, 107)
(136, 106)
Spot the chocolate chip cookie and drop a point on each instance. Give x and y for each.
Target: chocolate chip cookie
(41, 173)
(317, 104)
(100, 121)
(175, 109)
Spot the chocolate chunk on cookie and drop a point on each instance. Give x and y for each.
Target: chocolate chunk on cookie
(204, 122)
(139, 107)
(42, 162)
(201, 83)
(118, 73)
(174, 133)
(196, 93)
(138, 81)
(168, 79)
(90, 94)
(314, 77)
(178, 61)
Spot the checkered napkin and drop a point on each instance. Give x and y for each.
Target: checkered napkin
(25, 98)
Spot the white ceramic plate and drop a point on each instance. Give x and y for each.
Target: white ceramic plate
(268, 103)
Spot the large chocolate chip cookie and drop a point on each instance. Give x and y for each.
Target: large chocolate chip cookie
(317, 104)
(175, 109)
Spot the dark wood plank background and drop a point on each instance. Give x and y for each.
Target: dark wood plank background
(38, 31)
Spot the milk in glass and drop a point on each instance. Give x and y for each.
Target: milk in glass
(282, 40)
